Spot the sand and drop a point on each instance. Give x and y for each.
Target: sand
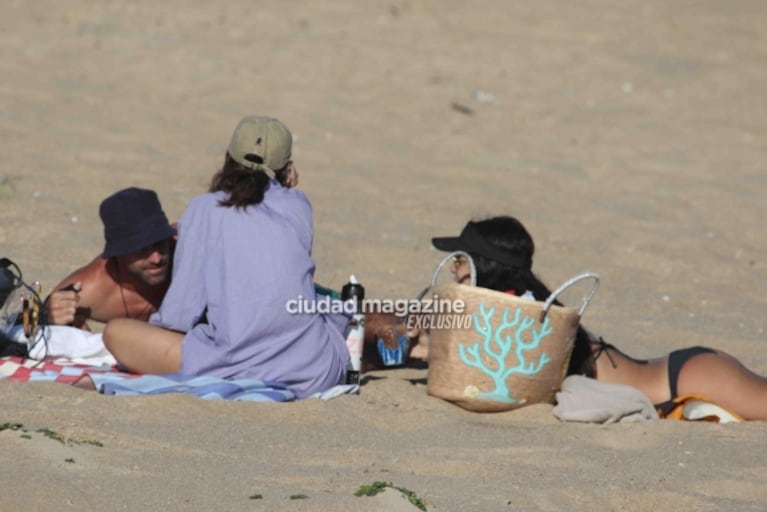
(629, 137)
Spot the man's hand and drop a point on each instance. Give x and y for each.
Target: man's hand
(61, 305)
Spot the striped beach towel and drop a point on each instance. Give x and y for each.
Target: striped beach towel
(109, 380)
(209, 388)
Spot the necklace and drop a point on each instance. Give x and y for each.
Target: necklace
(125, 303)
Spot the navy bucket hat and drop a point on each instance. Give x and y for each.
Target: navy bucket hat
(133, 219)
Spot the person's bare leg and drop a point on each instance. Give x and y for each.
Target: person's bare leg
(142, 347)
(725, 380)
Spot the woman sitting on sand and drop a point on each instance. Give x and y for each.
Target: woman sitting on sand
(502, 251)
(244, 251)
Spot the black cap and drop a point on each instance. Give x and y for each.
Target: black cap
(471, 240)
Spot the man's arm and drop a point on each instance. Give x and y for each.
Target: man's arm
(71, 300)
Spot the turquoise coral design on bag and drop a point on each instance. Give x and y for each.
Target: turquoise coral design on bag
(516, 334)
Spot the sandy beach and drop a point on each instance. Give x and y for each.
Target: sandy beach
(628, 137)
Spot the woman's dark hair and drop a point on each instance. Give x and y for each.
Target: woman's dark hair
(245, 186)
(509, 235)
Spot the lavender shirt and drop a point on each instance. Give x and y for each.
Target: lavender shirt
(243, 265)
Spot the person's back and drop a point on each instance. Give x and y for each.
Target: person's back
(250, 262)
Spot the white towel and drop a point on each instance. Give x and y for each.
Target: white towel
(61, 342)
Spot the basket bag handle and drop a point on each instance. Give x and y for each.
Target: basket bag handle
(547, 303)
(567, 284)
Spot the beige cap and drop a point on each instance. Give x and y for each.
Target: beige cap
(262, 144)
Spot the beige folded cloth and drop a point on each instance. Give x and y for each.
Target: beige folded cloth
(589, 400)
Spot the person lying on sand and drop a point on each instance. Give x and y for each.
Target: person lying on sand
(130, 277)
(502, 251)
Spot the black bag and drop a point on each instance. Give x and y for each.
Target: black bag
(8, 347)
(10, 280)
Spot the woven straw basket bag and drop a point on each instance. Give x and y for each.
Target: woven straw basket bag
(513, 352)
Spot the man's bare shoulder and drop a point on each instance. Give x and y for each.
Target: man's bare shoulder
(94, 275)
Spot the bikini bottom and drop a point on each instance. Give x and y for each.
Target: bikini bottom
(676, 360)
